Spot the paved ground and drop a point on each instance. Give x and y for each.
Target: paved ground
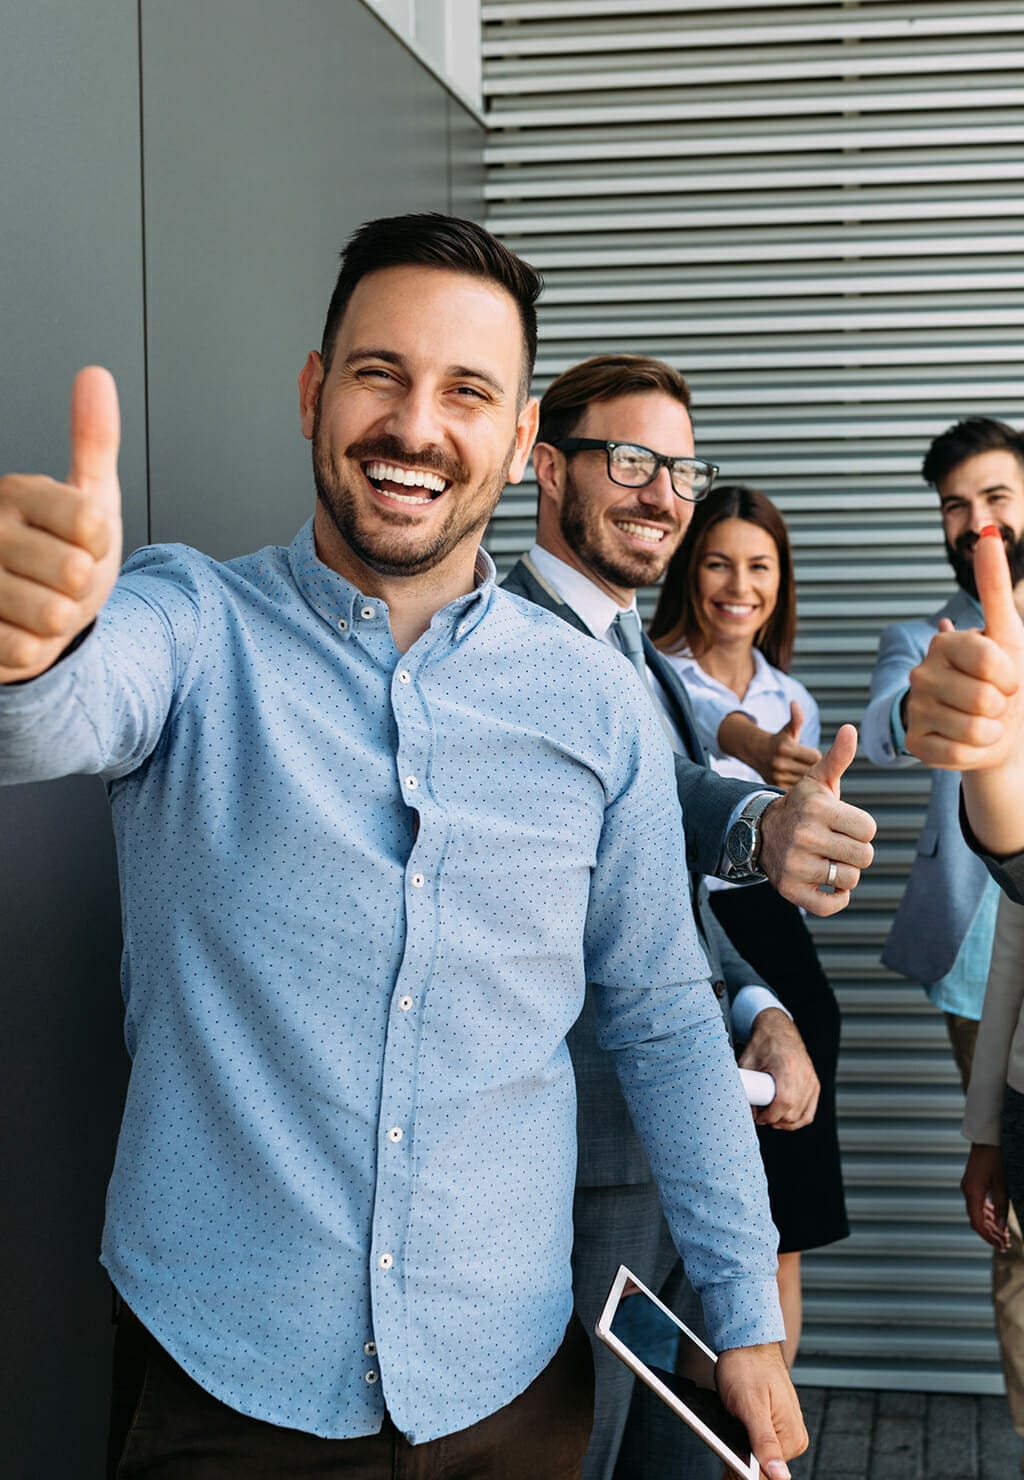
(906, 1436)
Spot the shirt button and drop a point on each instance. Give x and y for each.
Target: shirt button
(405, 1003)
(386, 1260)
(418, 881)
(342, 625)
(371, 1376)
(411, 783)
(395, 1134)
(368, 613)
(369, 1349)
(403, 676)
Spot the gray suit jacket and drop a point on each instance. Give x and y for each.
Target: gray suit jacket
(947, 880)
(610, 1152)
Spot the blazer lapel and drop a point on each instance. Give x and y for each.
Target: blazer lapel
(679, 701)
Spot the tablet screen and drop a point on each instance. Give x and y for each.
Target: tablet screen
(666, 1355)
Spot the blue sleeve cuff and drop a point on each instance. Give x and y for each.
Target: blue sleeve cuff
(899, 734)
(746, 1005)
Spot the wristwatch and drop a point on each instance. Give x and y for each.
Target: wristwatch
(743, 840)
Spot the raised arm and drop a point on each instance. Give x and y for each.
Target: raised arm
(966, 707)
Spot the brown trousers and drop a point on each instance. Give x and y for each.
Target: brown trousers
(164, 1426)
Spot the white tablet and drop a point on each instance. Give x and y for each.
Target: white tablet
(675, 1364)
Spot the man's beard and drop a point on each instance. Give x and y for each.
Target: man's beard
(959, 554)
(395, 555)
(582, 528)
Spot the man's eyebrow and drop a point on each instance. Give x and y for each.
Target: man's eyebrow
(945, 498)
(387, 355)
(455, 372)
(467, 372)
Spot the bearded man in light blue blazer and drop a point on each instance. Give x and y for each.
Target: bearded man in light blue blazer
(942, 933)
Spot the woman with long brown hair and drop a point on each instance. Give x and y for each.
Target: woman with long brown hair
(726, 621)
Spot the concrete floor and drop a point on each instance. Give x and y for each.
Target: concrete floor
(906, 1436)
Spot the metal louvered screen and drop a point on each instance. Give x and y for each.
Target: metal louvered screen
(815, 211)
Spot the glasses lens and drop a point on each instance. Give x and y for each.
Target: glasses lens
(691, 479)
(633, 466)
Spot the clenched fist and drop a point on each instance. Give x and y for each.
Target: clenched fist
(60, 543)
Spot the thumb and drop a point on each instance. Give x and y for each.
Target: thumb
(829, 770)
(796, 720)
(95, 435)
(995, 589)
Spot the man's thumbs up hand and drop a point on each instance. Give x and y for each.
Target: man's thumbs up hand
(966, 700)
(811, 837)
(60, 543)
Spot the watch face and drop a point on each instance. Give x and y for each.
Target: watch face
(740, 843)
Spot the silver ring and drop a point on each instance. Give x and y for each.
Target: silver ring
(830, 879)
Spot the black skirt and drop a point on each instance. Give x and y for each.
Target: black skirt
(805, 1180)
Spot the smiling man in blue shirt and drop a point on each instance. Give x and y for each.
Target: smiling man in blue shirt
(378, 823)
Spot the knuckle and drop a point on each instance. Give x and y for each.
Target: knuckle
(76, 572)
(55, 615)
(18, 649)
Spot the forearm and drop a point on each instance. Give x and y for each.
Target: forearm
(742, 737)
(994, 804)
(685, 1097)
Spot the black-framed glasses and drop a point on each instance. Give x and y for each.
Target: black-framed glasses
(634, 466)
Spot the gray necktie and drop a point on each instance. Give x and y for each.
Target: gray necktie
(631, 641)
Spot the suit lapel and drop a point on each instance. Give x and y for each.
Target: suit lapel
(679, 701)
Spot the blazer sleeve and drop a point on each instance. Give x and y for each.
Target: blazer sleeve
(1000, 1031)
(899, 650)
(1007, 872)
(708, 802)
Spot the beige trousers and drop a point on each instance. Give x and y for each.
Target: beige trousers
(1008, 1268)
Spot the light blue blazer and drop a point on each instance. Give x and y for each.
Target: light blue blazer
(947, 880)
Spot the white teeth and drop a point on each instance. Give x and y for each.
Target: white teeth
(406, 498)
(735, 611)
(644, 532)
(382, 472)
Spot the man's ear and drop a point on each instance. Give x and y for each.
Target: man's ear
(549, 466)
(526, 432)
(311, 378)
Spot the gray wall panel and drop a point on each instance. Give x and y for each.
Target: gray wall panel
(267, 141)
(71, 292)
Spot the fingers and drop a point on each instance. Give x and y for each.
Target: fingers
(984, 1188)
(754, 1385)
(832, 766)
(963, 708)
(803, 833)
(796, 719)
(60, 543)
(995, 590)
(95, 433)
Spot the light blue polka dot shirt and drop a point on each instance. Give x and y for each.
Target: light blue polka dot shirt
(362, 892)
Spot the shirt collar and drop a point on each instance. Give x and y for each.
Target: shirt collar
(339, 602)
(594, 607)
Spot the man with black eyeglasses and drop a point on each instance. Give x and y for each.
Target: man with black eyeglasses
(617, 481)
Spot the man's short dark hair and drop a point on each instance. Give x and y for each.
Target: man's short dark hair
(432, 240)
(602, 378)
(966, 439)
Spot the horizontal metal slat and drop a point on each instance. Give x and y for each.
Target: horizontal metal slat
(902, 97)
(849, 62)
(853, 26)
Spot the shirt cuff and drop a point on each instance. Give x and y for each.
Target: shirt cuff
(742, 1312)
(745, 1006)
(899, 734)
